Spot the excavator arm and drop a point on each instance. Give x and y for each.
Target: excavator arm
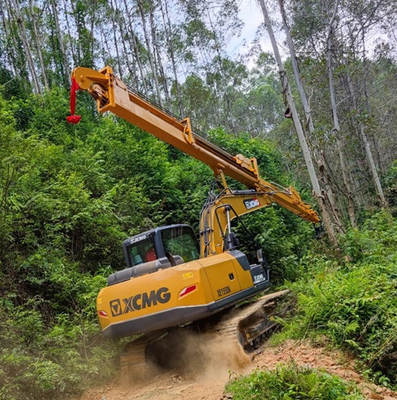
(113, 95)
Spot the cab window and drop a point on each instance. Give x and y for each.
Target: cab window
(180, 241)
(142, 251)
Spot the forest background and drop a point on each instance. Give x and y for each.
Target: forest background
(70, 194)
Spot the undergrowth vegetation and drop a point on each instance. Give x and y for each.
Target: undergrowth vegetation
(352, 298)
(291, 382)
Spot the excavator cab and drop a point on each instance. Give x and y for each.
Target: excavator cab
(157, 249)
(177, 243)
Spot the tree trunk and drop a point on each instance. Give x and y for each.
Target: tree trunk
(127, 52)
(134, 46)
(38, 44)
(156, 53)
(64, 60)
(302, 140)
(367, 146)
(115, 41)
(72, 49)
(148, 46)
(309, 125)
(336, 126)
(10, 47)
(168, 32)
(27, 49)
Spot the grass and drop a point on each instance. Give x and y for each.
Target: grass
(292, 382)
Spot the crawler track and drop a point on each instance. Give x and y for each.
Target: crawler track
(246, 326)
(133, 365)
(250, 324)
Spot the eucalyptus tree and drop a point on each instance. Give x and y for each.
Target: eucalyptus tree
(334, 34)
(170, 34)
(12, 55)
(145, 10)
(383, 104)
(313, 28)
(19, 32)
(259, 109)
(364, 16)
(348, 192)
(307, 154)
(308, 125)
(58, 45)
(86, 14)
(134, 59)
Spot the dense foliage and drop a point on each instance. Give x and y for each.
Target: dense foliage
(291, 382)
(351, 299)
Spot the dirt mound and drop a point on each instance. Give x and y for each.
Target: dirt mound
(205, 378)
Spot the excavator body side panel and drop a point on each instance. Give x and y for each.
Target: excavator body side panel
(173, 296)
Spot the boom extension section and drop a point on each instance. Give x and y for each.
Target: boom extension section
(113, 95)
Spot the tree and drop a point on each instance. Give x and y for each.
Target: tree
(309, 125)
(302, 139)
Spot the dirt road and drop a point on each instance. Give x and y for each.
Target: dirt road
(206, 380)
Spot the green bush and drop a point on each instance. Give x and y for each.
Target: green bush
(352, 299)
(291, 382)
(40, 361)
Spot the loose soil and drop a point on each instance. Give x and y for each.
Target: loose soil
(205, 378)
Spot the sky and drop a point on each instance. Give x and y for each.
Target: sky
(252, 17)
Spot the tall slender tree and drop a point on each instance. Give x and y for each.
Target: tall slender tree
(308, 123)
(65, 70)
(298, 127)
(38, 43)
(17, 14)
(151, 56)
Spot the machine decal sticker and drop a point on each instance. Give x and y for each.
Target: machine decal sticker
(251, 203)
(187, 275)
(115, 307)
(138, 238)
(224, 291)
(259, 278)
(139, 301)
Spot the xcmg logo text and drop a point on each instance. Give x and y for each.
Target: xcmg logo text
(139, 301)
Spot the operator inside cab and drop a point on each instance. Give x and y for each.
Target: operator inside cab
(143, 252)
(150, 254)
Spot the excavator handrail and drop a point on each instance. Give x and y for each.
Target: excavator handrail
(113, 95)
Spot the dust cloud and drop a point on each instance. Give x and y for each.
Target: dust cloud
(209, 356)
(202, 356)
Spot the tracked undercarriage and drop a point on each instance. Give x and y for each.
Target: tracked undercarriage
(245, 327)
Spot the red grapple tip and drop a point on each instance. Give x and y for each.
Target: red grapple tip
(73, 119)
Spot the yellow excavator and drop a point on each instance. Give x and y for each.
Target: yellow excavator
(171, 279)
